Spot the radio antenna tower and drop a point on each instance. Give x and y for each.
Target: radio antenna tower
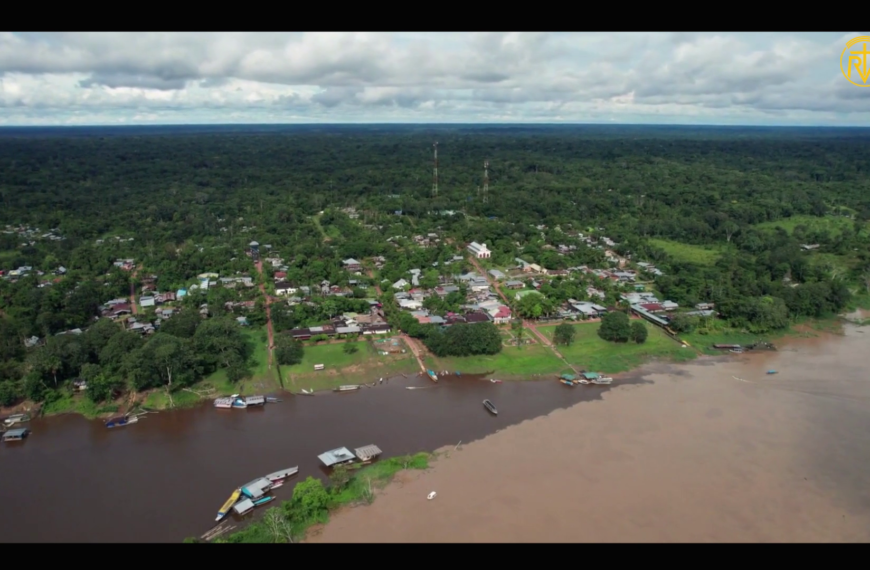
(435, 173)
(485, 181)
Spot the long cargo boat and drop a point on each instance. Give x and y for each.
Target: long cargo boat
(234, 498)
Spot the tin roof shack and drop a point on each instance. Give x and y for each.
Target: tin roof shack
(256, 489)
(368, 453)
(16, 434)
(243, 507)
(336, 457)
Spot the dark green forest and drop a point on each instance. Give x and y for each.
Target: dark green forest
(192, 199)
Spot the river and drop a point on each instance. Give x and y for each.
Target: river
(711, 451)
(163, 479)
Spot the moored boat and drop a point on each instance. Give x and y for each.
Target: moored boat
(239, 402)
(602, 380)
(16, 419)
(348, 388)
(490, 406)
(263, 501)
(225, 403)
(228, 505)
(432, 375)
(273, 400)
(283, 474)
(494, 381)
(566, 382)
(255, 401)
(121, 421)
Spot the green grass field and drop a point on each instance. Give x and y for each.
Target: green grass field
(687, 253)
(365, 365)
(833, 224)
(591, 352)
(513, 361)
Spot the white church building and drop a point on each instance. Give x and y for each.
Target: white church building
(479, 250)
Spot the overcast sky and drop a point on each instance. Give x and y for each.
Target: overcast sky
(685, 78)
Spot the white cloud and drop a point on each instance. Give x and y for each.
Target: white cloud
(104, 78)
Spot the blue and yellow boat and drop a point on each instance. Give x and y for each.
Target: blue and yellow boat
(228, 505)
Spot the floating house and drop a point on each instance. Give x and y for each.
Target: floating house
(336, 457)
(16, 434)
(257, 488)
(367, 453)
(244, 506)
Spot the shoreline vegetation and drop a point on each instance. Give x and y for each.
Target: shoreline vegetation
(312, 501)
(367, 363)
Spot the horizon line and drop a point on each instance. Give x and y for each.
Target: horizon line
(432, 124)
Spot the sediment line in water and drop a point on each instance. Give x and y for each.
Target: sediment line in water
(698, 457)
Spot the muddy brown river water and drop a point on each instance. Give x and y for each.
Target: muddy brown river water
(164, 479)
(709, 452)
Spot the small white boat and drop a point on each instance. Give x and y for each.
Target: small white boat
(225, 403)
(348, 388)
(283, 474)
(602, 380)
(490, 406)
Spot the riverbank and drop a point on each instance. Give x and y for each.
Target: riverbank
(715, 451)
(370, 360)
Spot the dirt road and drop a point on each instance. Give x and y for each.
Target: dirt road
(268, 313)
(528, 324)
(133, 307)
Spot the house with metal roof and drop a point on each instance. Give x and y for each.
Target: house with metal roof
(336, 456)
(16, 434)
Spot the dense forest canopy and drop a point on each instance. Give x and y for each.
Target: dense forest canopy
(181, 201)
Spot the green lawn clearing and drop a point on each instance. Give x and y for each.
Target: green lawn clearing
(523, 361)
(687, 253)
(364, 365)
(591, 352)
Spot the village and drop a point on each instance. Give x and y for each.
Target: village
(383, 297)
(481, 293)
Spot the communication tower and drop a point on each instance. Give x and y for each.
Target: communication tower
(435, 173)
(485, 181)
